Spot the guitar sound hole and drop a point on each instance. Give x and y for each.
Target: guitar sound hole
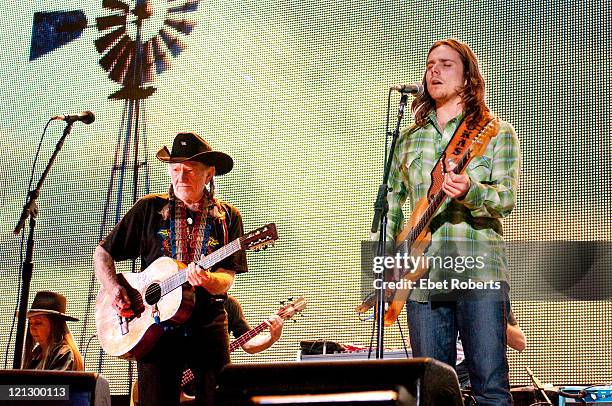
(153, 294)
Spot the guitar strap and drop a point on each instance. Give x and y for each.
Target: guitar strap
(202, 222)
(224, 223)
(187, 245)
(457, 148)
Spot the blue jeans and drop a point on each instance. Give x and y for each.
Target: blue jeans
(480, 318)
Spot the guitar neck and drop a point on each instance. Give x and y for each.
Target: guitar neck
(436, 202)
(285, 312)
(207, 262)
(243, 339)
(220, 254)
(188, 376)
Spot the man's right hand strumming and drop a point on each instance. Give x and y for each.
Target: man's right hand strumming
(121, 301)
(107, 275)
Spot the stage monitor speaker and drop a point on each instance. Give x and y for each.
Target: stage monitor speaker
(417, 381)
(27, 387)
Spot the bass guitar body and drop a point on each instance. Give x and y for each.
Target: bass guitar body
(415, 250)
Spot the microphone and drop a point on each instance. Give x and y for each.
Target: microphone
(86, 117)
(412, 88)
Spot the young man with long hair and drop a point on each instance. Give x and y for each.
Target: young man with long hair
(468, 221)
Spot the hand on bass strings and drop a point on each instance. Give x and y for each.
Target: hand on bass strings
(455, 185)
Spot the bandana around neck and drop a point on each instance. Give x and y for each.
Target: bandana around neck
(189, 234)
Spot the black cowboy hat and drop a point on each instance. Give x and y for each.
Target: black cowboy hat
(49, 303)
(191, 147)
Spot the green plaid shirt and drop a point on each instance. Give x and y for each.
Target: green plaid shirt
(471, 226)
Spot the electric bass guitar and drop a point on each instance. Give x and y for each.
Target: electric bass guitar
(161, 294)
(286, 312)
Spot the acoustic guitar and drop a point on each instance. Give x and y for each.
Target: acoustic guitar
(161, 294)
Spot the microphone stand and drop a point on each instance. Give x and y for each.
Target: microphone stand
(30, 209)
(381, 208)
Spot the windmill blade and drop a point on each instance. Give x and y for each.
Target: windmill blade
(111, 56)
(184, 26)
(51, 30)
(190, 5)
(107, 40)
(115, 5)
(174, 44)
(162, 63)
(107, 22)
(117, 73)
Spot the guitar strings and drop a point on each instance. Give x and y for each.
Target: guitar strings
(173, 282)
(438, 197)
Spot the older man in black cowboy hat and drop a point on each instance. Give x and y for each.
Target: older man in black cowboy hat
(184, 224)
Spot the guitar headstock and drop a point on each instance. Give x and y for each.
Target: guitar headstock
(260, 238)
(288, 310)
(479, 145)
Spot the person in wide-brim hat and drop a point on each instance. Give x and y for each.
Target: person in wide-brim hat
(49, 344)
(188, 146)
(49, 303)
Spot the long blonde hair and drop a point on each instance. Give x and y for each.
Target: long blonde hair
(60, 335)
